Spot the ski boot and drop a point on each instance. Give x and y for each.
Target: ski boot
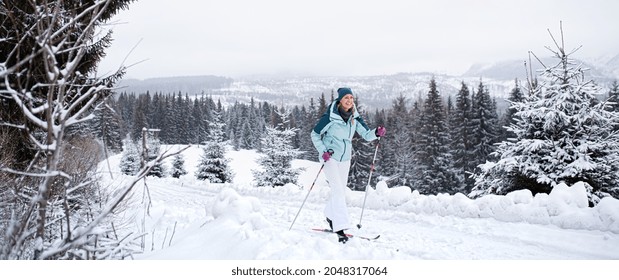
(341, 237)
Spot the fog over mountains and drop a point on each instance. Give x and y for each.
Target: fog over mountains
(373, 92)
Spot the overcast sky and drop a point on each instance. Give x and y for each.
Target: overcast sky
(320, 37)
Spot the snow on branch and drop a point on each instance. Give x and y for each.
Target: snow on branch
(79, 234)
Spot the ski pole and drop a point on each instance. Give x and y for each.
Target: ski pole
(368, 186)
(306, 196)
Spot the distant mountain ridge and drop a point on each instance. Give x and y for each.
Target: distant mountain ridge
(184, 84)
(373, 92)
(603, 73)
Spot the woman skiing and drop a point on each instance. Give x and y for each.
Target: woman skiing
(332, 137)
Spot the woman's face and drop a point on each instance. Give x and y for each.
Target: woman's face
(347, 102)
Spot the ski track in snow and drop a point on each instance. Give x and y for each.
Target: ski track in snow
(258, 229)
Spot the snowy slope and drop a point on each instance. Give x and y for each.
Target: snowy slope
(190, 219)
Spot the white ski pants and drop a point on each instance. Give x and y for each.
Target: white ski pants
(336, 173)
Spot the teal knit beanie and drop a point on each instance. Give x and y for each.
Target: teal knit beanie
(343, 91)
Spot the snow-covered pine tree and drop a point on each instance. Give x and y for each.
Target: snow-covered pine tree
(158, 116)
(484, 119)
(397, 162)
(131, 158)
(213, 165)
(613, 97)
(139, 120)
(563, 134)
(198, 131)
(361, 158)
(301, 140)
(388, 146)
(178, 166)
(305, 127)
(256, 124)
(155, 111)
(297, 120)
(185, 119)
(171, 120)
(507, 120)
(107, 127)
(322, 104)
(240, 120)
(232, 129)
(277, 155)
(124, 107)
(613, 100)
(462, 132)
(433, 157)
(360, 164)
(246, 135)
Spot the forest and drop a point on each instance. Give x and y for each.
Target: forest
(185, 120)
(434, 145)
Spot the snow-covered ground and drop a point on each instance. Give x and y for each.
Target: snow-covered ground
(188, 219)
(240, 221)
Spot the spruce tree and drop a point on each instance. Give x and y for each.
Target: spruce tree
(398, 159)
(155, 112)
(613, 101)
(213, 165)
(124, 107)
(360, 164)
(186, 120)
(462, 139)
(277, 155)
(198, 132)
(433, 157)
(613, 97)
(258, 126)
(253, 125)
(305, 125)
(361, 157)
(139, 118)
(178, 166)
(305, 129)
(507, 120)
(415, 127)
(484, 120)
(563, 135)
(322, 104)
(246, 135)
(131, 158)
(107, 126)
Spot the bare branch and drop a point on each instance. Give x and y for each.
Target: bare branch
(87, 229)
(538, 60)
(555, 41)
(562, 37)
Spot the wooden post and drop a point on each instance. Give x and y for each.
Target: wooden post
(144, 148)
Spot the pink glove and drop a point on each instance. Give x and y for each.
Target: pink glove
(327, 155)
(380, 131)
